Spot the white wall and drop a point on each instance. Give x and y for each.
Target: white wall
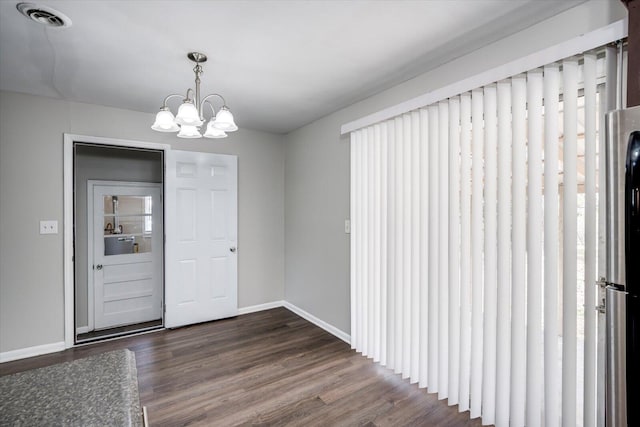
(31, 279)
(317, 163)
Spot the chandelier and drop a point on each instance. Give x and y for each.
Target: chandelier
(191, 112)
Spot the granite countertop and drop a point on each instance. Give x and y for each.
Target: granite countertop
(99, 390)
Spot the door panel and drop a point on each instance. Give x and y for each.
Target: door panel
(220, 212)
(201, 208)
(219, 276)
(186, 211)
(188, 286)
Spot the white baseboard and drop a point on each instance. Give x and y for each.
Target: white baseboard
(320, 323)
(82, 329)
(300, 312)
(260, 307)
(37, 350)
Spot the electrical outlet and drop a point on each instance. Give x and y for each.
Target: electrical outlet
(49, 227)
(347, 226)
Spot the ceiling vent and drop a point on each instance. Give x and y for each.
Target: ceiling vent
(44, 15)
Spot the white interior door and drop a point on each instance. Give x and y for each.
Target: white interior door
(126, 244)
(201, 256)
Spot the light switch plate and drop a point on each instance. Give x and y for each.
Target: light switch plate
(347, 226)
(49, 227)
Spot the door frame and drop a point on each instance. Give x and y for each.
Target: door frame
(68, 216)
(91, 184)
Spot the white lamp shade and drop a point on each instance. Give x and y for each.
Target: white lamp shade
(187, 131)
(165, 122)
(224, 120)
(188, 115)
(212, 132)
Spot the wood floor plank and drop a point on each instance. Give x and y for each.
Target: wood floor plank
(270, 368)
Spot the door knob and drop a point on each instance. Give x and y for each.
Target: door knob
(99, 267)
(232, 249)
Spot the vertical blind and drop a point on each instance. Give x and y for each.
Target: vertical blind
(474, 245)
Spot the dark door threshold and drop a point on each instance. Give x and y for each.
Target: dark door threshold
(119, 331)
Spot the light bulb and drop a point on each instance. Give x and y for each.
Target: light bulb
(212, 132)
(165, 121)
(224, 120)
(188, 114)
(187, 131)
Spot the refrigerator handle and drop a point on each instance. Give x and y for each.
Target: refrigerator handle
(616, 357)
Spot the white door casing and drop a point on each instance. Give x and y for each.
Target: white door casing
(201, 237)
(68, 217)
(125, 286)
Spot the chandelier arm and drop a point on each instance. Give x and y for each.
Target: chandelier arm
(188, 98)
(166, 99)
(224, 103)
(213, 111)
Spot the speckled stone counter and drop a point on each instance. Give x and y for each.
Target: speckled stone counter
(100, 390)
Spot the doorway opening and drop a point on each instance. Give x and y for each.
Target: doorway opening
(118, 241)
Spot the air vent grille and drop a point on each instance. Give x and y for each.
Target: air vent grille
(44, 15)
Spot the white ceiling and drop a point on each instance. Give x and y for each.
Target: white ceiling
(279, 64)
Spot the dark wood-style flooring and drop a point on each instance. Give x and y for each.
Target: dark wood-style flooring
(267, 368)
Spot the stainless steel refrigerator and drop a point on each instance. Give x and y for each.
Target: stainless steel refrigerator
(622, 301)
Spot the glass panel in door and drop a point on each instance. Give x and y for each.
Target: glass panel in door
(128, 224)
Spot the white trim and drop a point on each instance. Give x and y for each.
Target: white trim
(115, 141)
(69, 140)
(600, 37)
(260, 307)
(37, 350)
(320, 323)
(67, 227)
(90, 254)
